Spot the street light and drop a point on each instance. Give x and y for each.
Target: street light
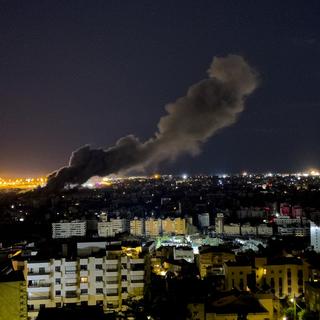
(295, 305)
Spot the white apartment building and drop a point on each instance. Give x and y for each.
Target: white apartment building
(247, 229)
(315, 236)
(286, 220)
(264, 230)
(219, 223)
(106, 280)
(68, 229)
(112, 227)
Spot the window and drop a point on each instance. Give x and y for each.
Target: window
(272, 283)
(84, 291)
(99, 279)
(99, 266)
(58, 293)
(300, 274)
(124, 278)
(99, 290)
(83, 267)
(42, 306)
(58, 281)
(42, 270)
(289, 273)
(289, 290)
(289, 282)
(83, 279)
(57, 269)
(241, 284)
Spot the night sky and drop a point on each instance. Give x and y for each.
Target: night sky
(89, 72)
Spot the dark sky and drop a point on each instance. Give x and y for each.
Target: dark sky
(88, 72)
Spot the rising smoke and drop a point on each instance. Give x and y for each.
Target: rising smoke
(208, 106)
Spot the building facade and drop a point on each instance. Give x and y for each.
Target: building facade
(106, 280)
(68, 229)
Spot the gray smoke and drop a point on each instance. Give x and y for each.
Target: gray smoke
(208, 106)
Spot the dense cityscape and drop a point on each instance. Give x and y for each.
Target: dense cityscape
(248, 245)
(159, 160)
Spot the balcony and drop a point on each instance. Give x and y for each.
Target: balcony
(74, 299)
(112, 285)
(39, 285)
(112, 294)
(39, 299)
(84, 285)
(38, 276)
(84, 273)
(36, 273)
(70, 286)
(39, 289)
(137, 273)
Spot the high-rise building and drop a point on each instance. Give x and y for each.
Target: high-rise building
(204, 220)
(93, 280)
(219, 223)
(315, 236)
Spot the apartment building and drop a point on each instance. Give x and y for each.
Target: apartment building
(111, 228)
(153, 227)
(175, 226)
(137, 227)
(286, 276)
(237, 275)
(68, 229)
(211, 259)
(105, 280)
(315, 236)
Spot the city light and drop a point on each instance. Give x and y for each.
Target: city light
(22, 183)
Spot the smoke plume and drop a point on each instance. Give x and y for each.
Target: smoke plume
(209, 105)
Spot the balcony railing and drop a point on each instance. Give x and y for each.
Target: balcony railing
(39, 298)
(37, 273)
(39, 285)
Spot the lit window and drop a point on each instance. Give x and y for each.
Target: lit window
(84, 279)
